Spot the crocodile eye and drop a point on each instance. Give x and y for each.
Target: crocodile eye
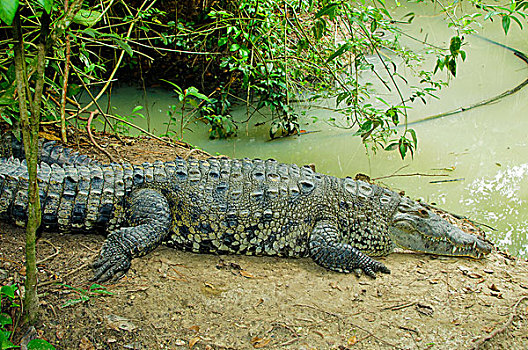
(423, 213)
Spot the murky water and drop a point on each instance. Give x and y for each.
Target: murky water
(485, 148)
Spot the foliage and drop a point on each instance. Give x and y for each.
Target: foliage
(278, 58)
(8, 294)
(276, 54)
(190, 96)
(84, 295)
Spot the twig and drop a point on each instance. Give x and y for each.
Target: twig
(57, 251)
(61, 279)
(353, 325)
(450, 180)
(319, 309)
(400, 306)
(412, 174)
(89, 131)
(501, 329)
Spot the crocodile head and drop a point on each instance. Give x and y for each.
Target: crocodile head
(417, 228)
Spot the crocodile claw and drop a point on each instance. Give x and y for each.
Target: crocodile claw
(373, 267)
(113, 262)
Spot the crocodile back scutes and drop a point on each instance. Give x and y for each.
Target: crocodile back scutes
(241, 206)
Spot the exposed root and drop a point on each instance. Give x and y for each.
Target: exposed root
(57, 251)
(501, 329)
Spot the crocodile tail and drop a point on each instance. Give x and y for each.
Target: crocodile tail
(76, 197)
(49, 151)
(72, 197)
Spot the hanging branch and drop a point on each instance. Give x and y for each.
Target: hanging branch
(65, 77)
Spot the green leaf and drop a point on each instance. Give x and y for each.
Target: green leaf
(319, 28)
(451, 66)
(234, 47)
(47, 4)
(402, 149)
(192, 91)
(73, 89)
(71, 302)
(39, 344)
(86, 17)
(413, 135)
(392, 146)
(411, 16)
(8, 9)
(341, 97)
(455, 44)
(5, 343)
(97, 288)
(222, 41)
(329, 10)
(393, 114)
(341, 50)
(373, 26)
(9, 291)
(506, 23)
(123, 45)
(5, 319)
(517, 21)
(95, 285)
(6, 119)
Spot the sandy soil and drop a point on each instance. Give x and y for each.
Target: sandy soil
(179, 300)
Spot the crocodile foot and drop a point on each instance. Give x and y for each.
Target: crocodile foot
(113, 261)
(327, 251)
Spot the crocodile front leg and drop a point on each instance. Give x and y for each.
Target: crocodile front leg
(327, 251)
(148, 214)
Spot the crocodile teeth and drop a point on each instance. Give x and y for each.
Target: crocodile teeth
(454, 249)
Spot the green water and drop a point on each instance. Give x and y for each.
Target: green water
(486, 147)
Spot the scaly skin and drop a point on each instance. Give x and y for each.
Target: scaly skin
(49, 151)
(229, 206)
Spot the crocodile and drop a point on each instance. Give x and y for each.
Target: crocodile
(50, 151)
(229, 206)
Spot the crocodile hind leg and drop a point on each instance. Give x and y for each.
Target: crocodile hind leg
(148, 215)
(327, 251)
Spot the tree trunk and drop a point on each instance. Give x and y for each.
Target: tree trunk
(30, 127)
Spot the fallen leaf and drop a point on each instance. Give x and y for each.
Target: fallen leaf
(246, 274)
(496, 295)
(193, 341)
(262, 343)
(48, 136)
(494, 288)
(120, 323)
(86, 344)
(352, 340)
(319, 334)
(195, 328)
(334, 285)
(487, 329)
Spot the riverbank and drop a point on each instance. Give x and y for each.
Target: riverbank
(178, 300)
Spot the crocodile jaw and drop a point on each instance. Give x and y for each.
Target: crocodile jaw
(417, 228)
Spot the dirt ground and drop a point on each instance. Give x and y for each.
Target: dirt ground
(179, 300)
